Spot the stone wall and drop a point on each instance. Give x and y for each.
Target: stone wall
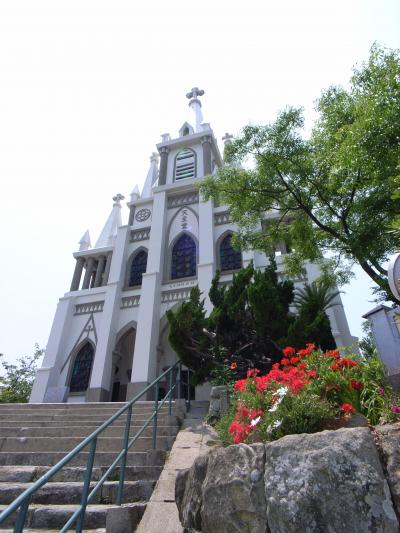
(329, 482)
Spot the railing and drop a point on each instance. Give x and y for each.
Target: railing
(23, 500)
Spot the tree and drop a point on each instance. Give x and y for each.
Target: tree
(367, 343)
(312, 323)
(331, 193)
(16, 383)
(247, 325)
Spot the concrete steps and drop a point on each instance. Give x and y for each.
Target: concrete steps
(47, 517)
(33, 437)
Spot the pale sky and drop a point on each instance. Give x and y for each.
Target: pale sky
(87, 87)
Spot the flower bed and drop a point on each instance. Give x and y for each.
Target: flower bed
(309, 390)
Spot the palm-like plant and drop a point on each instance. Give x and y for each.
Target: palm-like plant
(315, 298)
(312, 323)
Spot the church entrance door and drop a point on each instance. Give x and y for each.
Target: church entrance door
(122, 365)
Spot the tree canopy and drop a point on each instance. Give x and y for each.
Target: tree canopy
(17, 379)
(329, 193)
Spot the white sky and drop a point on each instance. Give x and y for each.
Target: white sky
(88, 86)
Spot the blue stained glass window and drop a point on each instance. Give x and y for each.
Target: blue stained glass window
(82, 367)
(183, 263)
(230, 259)
(138, 268)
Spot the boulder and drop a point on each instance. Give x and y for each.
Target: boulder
(219, 402)
(233, 491)
(389, 444)
(188, 492)
(327, 482)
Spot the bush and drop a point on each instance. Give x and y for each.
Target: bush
(309, 390)
(17, 380)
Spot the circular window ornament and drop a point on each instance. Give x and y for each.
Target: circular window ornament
(143, 215)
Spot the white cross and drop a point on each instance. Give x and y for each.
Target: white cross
(118, 198)
(227, 137)
(195, 92)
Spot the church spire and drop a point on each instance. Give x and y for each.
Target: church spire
(152, 176)
(195, 104)
(109, 232)
(84, 243)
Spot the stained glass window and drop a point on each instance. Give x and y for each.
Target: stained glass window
(230, 259)
(183, 263)
(185, 164)
(82, 367)
(138, 268)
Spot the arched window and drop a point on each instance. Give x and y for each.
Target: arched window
(82, 367)
(183, 261)
(185, 164)
(137, 269)
(230, 259)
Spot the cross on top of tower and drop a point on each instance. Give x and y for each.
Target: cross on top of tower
(194, 93)
(118, 198)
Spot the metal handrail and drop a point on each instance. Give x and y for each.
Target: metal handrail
(23, 500)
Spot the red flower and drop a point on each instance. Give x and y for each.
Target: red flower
(252, 372)
(312, 374)
(233, 366)
(333, 353)
(347, 362)
(240, 385)
(285, 361)
(356, 384)
(302, 366)
(288, 351)
(395, 409)
(304, 353)
(311, 346)
(294, 360)
(347, 408)
(342, 363)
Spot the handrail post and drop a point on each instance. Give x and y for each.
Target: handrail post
(154, 441)
(21, 517)
(120, 495)
(86, 485)
(180, 380)
(188, 385)
(170, 393)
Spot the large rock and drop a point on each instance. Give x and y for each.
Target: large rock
(223, 491)
(188, 492)
(219, 402)
(328, 482)
(389, 443)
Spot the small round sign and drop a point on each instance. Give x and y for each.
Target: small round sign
(394, 275)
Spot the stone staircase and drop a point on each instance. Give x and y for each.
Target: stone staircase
(33, 437)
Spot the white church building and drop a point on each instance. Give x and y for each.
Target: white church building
(109, 337)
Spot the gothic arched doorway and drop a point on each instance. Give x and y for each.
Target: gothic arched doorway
(82, 368)
(122, 364)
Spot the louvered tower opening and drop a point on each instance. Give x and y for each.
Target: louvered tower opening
(185, 165)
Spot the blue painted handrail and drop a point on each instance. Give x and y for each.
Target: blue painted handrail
(23, 500)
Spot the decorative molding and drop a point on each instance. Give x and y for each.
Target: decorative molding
(90, 307)
(88, 329)
(130, 301)
(142, 234)
(206, 139)
(222, 218)
(142, 215)
(175, 295)
(183, 199)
